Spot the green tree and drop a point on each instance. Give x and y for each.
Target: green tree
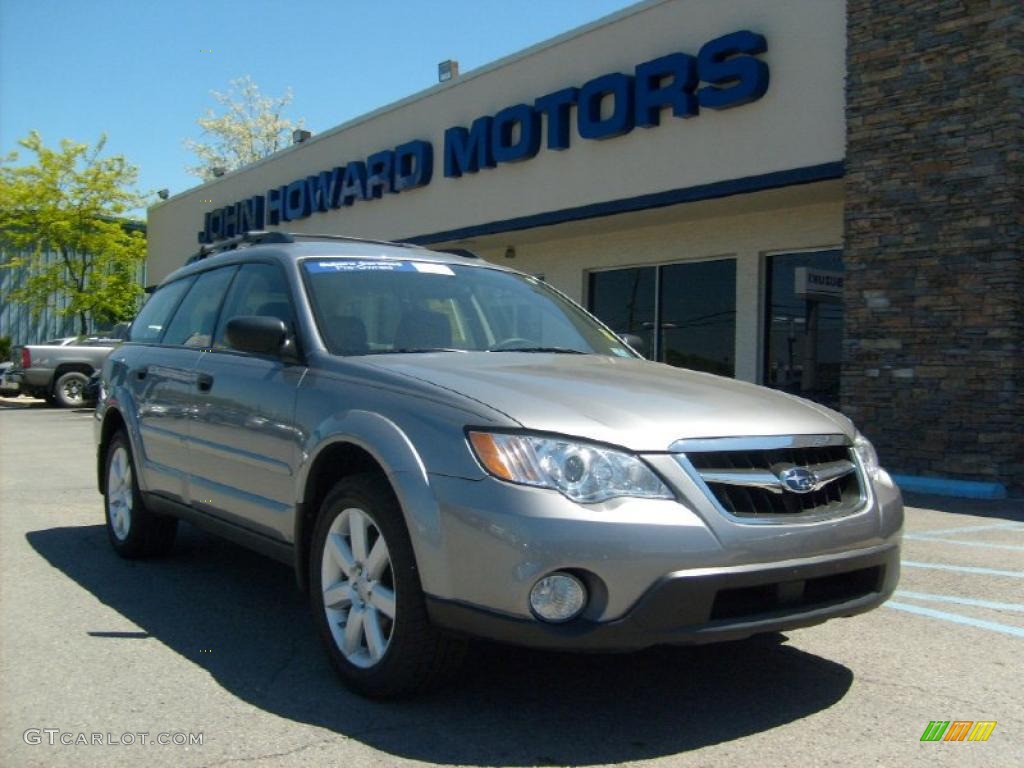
(63, 218)
(249, 127)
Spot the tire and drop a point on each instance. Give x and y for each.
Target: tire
(134, 531)
(69, 388)
(385, 656)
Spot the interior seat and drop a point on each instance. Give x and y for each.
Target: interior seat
(423, 329)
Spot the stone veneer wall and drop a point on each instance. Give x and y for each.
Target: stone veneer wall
(933, 357)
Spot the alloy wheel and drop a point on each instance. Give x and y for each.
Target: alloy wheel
(120, 493)
(358, 588)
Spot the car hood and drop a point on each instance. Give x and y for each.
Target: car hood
(634, 403)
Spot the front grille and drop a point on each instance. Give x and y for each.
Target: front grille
(747, 482)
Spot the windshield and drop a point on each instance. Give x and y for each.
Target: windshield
(388, 306)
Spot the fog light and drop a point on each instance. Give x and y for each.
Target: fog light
(558, 597)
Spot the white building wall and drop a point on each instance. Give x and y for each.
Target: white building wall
(797, 124)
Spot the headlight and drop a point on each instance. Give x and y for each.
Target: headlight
(582, 472)
(866, 453)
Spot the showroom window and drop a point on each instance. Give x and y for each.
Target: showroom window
(685, 313)
(804, 324)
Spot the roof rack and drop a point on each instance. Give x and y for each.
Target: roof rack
(263, 237)
(350, 239)
(255, 237)
(463, 252)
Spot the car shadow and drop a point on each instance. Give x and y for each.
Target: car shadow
(1005, 509)
(240, 617)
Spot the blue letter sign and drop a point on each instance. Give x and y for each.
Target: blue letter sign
(607, 106)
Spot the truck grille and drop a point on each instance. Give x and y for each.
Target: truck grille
(813, 475)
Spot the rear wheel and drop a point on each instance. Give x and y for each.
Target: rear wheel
(366, 595)
(69, 389)
(133, 530)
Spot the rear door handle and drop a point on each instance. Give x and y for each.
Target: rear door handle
(204, 382)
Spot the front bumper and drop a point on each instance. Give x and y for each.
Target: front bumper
(704, 605)
(657, 571)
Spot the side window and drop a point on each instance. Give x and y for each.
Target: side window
(259, 289)
(193, 323)
(153, 317)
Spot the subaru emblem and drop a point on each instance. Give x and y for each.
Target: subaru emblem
(798, 479)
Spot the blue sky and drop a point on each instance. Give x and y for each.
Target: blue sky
(139, 70)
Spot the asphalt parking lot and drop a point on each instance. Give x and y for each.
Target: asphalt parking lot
(214, 640)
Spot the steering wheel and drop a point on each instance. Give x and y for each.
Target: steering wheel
(511, 343)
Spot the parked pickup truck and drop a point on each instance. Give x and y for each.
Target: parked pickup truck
(59, 371)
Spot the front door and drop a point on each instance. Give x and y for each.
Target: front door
(244, 446)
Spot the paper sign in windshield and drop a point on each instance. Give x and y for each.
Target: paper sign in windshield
(360, 265)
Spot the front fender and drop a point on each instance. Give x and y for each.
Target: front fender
(395, 453)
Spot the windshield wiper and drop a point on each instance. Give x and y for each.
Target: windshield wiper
(412, 351)
(556, 350)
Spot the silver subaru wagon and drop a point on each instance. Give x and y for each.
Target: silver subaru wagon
(444, 448)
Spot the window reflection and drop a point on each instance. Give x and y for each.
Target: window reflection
(696, 307)
(624, 300)
(698, 316)
(804, 324)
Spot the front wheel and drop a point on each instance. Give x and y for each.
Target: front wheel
(366, 595)
(133, 530)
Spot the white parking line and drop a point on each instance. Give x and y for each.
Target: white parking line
(964, 569)
(956, 618)
(928, 597)
(969, 529)
(982, 544)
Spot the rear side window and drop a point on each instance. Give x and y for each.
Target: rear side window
(196, 316)
(259, 289)
(153, 317)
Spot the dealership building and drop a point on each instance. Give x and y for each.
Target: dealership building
(824, 197)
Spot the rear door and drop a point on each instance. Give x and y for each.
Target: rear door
(244, 444)
(160, 416)
(163, 381)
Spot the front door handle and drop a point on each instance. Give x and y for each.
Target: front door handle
(204, 382)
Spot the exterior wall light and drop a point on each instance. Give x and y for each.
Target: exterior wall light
(447, 70)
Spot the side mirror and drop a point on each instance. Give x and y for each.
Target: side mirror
(259, 334)
(635, 342)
